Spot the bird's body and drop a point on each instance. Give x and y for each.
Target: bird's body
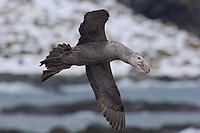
(95, 52)
(92, 53)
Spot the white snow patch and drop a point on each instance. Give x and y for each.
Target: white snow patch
(28, 34)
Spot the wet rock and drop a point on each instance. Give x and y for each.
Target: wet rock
(165, 129)
(35, 79)
(92, 106)
(57, 109)
(58, 130)
(10, 131)
(145, 106)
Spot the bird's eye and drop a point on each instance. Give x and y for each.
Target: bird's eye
(139, 58)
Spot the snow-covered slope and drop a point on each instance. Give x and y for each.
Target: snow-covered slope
(30, 28)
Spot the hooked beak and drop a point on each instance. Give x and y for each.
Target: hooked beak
(144, 67)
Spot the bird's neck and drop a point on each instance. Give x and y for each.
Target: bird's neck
(122, 52)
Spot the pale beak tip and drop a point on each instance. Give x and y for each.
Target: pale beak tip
(145, 67)
(148, 70)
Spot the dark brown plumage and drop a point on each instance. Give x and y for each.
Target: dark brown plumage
(95, 52)
(93, 27)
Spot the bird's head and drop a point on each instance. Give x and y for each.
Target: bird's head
(138, 62)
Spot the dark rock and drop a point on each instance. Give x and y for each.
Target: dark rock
(50, 85)
(165, 129)
(35, 79)
(58, 130)
(53, 83)
(102, 129)
(184, 13)
(10, 131)
(145, 106)
(92, 106)
(57, 109)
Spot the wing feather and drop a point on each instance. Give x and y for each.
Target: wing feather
(92, 29)
(107, 95)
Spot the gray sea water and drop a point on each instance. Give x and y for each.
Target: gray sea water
(13, 94)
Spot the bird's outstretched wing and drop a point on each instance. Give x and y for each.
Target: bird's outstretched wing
(92, 29)
(106, 93)
(100, 76)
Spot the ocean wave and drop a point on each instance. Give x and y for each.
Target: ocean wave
(19, 88)
(127, 83)
(81, 120)
(12, 93)
(190, 130)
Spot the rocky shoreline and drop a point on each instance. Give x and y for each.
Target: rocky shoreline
(57, 79)
(165, 129)
(92, 106)
(101, 129)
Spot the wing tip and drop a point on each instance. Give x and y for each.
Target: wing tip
(95, 12)
(115, 118)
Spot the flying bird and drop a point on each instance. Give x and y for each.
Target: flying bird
(96, 52)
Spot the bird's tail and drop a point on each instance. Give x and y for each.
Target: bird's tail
(53, 61)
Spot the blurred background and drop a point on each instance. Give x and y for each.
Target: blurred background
(166, 33)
